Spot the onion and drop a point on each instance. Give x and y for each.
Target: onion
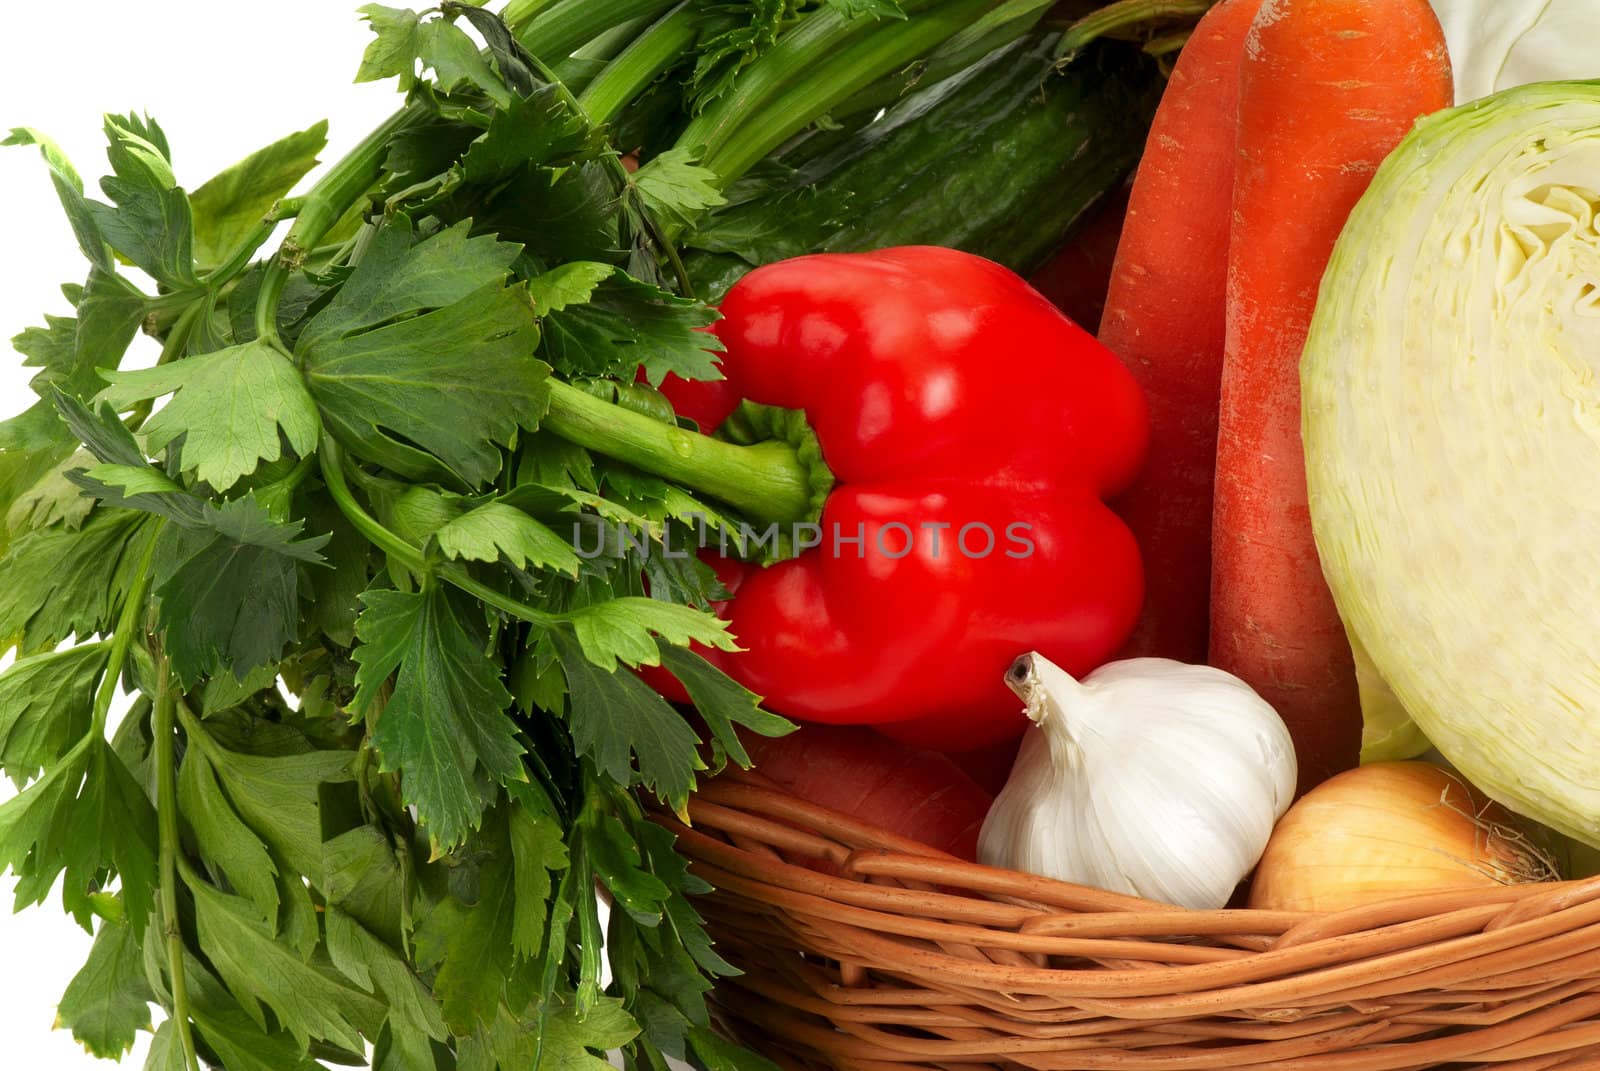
(1386, 830)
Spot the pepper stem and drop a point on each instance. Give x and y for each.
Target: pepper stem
(780, 480)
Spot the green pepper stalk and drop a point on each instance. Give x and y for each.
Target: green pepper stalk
(780, 478)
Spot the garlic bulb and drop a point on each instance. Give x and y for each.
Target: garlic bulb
(1148, 777)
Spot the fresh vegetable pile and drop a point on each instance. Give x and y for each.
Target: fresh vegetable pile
(660, 375)
(378, 543)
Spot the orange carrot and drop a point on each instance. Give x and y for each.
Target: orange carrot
(1164, 318)
(1327, 89)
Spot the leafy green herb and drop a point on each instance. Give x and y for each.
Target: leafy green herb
(230, 408)
(389, 355)
(230, 207)
(446, 715)
(600, 321)
(108, 1002)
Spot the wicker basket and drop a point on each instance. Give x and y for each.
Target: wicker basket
(867, 952)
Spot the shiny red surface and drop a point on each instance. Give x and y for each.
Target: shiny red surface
(944, 391)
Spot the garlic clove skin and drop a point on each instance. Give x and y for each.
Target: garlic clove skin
(1148, 777)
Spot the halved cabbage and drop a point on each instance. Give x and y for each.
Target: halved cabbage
(1452, 434)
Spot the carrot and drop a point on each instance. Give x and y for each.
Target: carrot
(1327, 89)
(923, 795)
(1164, 318)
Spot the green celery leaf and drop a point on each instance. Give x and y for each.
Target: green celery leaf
(457, 61)
(362, 875)
(224, 840)
(537, 848)
(517, 67)
(88, 817)
(229, 408)
(53, 498)
(722, 701)
(558, 214)
(242, 1045)
(477, 944)
(496, 529)
(53, 346)
(394, 50)
(732, 36)
(57, 582)
(569, 284)
(336, 590)
(446, 717)
(685, 924)
(141, 487)
(151, 223)
(309, 999)
(426, 340)
(166, 1051)
(401, 276)
(662, 1027)
(30, 443)
(652, 957)
(230, 592)
(125, 479)
(414, 1015)
(46, 702)
(27, 818)
(101, 431)
(676, 188)
(577, 1043)
(279, 798)
(229, 207)
(622, 629)
(227, 1028)
(614, 854)
(110, 311)
(418, 512)
(568, 1041)
(616, 719)
(135, 481)
(538, 130)
(111, 828)
(552, 461)
(607, 323)
(224, 692)
(713, 1052)
(300, 929)
(108, 1002)
(69, 188)
(25, 468)
(70, 351)
(425, 156)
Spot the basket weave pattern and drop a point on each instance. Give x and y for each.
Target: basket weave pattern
(863, 951)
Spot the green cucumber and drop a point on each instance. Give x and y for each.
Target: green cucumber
(1001, 160)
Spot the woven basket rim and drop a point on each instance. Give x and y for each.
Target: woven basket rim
(863, 949)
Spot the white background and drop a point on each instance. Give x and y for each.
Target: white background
(223, 78)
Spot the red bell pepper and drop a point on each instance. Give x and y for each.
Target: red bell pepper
(973, 431)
